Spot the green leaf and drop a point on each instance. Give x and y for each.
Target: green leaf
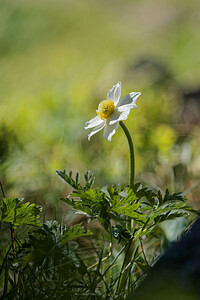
(176, 196)
(144, 193)
(167, 197)
(74, 184)
(169, 216)
(89, 178)
(93, 202)
(171, 209)
(129, 206)
(129, 210)
(66, 200)
(12, 211)
(43, 249)
(73, 233)
(88, 201)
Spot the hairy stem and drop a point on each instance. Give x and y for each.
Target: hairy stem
(131, 151)
(130, 250)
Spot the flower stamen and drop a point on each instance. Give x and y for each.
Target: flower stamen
(105, 109)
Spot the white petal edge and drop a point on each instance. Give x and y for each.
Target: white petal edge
(120, 116)
(93, 122)
(109, 131)
(96, 129)
(123, 108)
(114, 94)
(128, 101)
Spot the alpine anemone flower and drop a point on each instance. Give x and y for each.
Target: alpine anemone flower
(111, 111)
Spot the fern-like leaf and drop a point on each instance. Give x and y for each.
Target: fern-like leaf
(14, 212)
(73, 233)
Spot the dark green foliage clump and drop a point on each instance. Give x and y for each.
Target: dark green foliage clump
(43, 265)
(46, 261)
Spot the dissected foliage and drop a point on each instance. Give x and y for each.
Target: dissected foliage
(44, 262)
(14, 212)
(132, 216)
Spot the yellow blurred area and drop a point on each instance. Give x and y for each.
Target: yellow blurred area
(164, 138)
(58, 59)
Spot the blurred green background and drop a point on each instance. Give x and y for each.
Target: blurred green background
(57, 61)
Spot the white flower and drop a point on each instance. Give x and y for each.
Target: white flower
(111, 111)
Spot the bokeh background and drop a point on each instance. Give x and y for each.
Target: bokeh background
(57, 61)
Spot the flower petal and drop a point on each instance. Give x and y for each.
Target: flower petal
(93, 122)
(115, 93)
(110, 130)
(128, 101)
(96, 129)
(119, 116)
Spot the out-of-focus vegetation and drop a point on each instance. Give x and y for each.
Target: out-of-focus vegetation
(57, 61)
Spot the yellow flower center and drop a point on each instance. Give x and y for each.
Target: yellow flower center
(105, 109)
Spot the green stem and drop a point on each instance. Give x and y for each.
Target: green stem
(129, 254)
(132, 156)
